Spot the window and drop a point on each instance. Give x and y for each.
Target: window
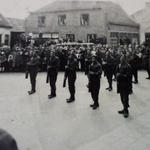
(62, 20)
(91, 38)
(70, 37)
(114, 34)
(41, 21)
(6, 39)
(84, 20)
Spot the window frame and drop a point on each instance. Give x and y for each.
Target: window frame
(41, 21)
(81, 20)
(64, 16)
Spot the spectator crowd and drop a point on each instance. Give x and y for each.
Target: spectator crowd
(15, 59)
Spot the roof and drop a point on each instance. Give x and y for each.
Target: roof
(4, 22)
(17, 24)
(115, 14)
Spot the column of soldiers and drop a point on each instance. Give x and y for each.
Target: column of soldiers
(122, 64)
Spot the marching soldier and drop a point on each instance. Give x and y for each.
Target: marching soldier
(109, 68)
(87, 64)
(95, 71)
(124, 73)
(70, 73)
(32, 69)
(52, 72)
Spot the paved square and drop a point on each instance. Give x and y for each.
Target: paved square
(41, 124)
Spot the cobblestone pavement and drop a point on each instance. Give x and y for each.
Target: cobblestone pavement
(41, 124)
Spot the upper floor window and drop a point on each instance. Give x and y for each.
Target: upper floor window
(84, 19)
(41, 21)
(62, 20)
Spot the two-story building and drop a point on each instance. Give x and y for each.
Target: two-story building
(83, 21)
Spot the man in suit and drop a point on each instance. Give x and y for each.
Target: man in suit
(52, 70)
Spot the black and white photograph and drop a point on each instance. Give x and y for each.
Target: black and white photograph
(74, 74)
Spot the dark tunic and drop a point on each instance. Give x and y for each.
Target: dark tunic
(124, 74)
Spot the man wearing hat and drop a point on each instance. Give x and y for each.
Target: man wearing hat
(52, 70)
(7, 142)
(95, 71)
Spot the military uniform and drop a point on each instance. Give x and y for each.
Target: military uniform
(109, 69)
(134, 65)
(95, 71)
(53, 66)
(71, 75)
(32, 68)
(124, 73)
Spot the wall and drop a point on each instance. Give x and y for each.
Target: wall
(123, 29)
(96, 25)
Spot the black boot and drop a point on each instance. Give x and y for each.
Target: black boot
(31, 92)
(51, 96)
(95, 106)
(70, 100)
(126, 113)
(121, 111)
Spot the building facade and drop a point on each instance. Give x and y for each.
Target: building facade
(85, 21)
(143, 18)
(5, 29)
(17, 31)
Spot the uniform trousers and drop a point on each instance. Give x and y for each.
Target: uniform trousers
(94, 89)
(71, 84)
(53, 78)
(124, 95)
(33, 76)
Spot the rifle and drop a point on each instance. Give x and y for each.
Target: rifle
(64, 82)
(27, 72)
(47, 77)
(26, 75)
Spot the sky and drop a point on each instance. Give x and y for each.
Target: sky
(21, 8)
